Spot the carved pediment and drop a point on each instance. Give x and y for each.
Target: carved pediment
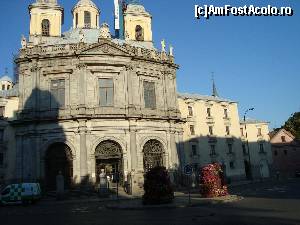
(105, 48)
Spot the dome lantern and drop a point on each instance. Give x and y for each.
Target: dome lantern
(85, 15)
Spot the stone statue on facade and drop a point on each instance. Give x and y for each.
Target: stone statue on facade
(171, 50)
(163, 46)
(23, 42)
(81, 36)
(104, 31)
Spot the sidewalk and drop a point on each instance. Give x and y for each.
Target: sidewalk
(132, 202)
(92, 199)
(179, 202)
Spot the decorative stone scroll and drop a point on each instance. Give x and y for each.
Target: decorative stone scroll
(108, 150)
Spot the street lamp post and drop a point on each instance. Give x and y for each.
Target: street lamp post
(249, 157)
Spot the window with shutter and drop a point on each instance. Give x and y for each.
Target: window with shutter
(149, 95)
(57, 90)
(1, 159)
(1, 135)
(106, 92)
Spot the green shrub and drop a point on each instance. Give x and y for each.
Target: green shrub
(157, 187)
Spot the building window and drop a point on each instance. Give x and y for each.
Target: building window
(3, 87)
(285, 152)
(46, 28)
(1, 135)
(212, 150)
(87, 19)
(283, 139)
(242, 132)
(57, 90)
(192, 129)
(139, 33)
(230, 148)
(191, 113)
(96, 20)
(1, 159)
(8, 87)
(244, 149)
(76, 20)
(194, 150)
(226, 113)
(2, 110)
(106, 92)
(259, 133)
(208, 111)
(211, 130)
(275, 152)
(227, 130)
(261, 148)
(231, 165)
(149, 95)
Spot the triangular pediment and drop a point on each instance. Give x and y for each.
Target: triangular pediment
(105, 48)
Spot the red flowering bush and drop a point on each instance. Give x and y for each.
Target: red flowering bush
(157, 187)
(212, 181)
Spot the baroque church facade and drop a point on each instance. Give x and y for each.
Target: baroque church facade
(86, 100)
(89, 101)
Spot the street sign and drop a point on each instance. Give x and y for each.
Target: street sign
(188, 170)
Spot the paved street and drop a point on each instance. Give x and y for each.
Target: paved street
(268, 203)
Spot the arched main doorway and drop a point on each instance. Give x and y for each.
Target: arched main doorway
(58, 158)
(108, 156)
(153, 154)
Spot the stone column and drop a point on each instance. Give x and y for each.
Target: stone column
(19, 157)
(130, 89)
(82, 84)
(35, 71)
(181, 150)
(83, 151)
(133, 150)
(174, 153)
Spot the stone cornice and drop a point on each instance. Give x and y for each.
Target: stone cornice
(104, 47)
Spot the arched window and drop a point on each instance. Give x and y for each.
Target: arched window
(139, 33)
(76, 20)
(45, 27)
(87, 19)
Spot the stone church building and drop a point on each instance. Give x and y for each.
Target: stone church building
(89, 101)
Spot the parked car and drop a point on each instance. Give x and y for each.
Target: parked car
(25, 193)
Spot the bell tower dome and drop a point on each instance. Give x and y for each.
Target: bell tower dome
(46, 18)
(137, 23)
(85, 15)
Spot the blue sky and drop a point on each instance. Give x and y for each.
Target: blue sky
(256, 60)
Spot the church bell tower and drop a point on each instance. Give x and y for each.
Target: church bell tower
(46, 18)
(137, 23)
